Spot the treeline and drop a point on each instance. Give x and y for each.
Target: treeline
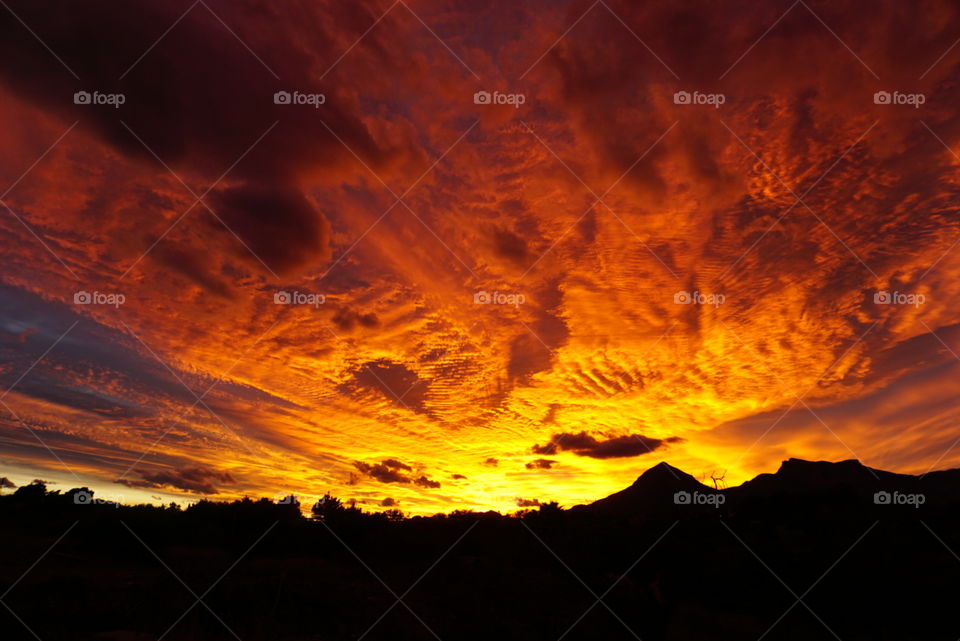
(36, 497)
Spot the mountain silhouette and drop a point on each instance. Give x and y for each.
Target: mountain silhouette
(654, 492)
(851, 478)
(798, 475)
(672, 558)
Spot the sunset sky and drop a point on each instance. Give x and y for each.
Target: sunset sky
(691, 231)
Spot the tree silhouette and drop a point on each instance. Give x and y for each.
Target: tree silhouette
(32, 493)
(718, 480)
(327, 507)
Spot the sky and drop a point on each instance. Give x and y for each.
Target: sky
(437, 255)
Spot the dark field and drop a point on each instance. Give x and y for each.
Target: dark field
(804, 554)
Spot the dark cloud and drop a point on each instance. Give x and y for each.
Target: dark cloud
(90, 346)
(528, 355)
(584, 444)
(527, 502)
(381, 472)
(491, 462)
(392, 471)
(200, 99)
(397, 465)
(458, 477)
(192, 479)
(510, 246)
(347, 318)
(389, 502)
(587, 226)
(423, 481)
(398, 383)
(191, 263)
(533, 350)
(89, 399)
(278, 224)
(540, 464)
(6, 483)
(552, 411)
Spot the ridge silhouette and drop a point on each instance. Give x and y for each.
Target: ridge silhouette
(653, 492)
(672, 558)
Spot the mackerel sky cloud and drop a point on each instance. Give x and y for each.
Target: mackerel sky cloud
(720, 242)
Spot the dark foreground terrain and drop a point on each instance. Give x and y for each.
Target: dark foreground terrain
(812, 552)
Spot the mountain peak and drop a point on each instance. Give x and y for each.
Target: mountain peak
(654, 489)
(799, 463)
(798, 476)
(801, 470)
(661, 470)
